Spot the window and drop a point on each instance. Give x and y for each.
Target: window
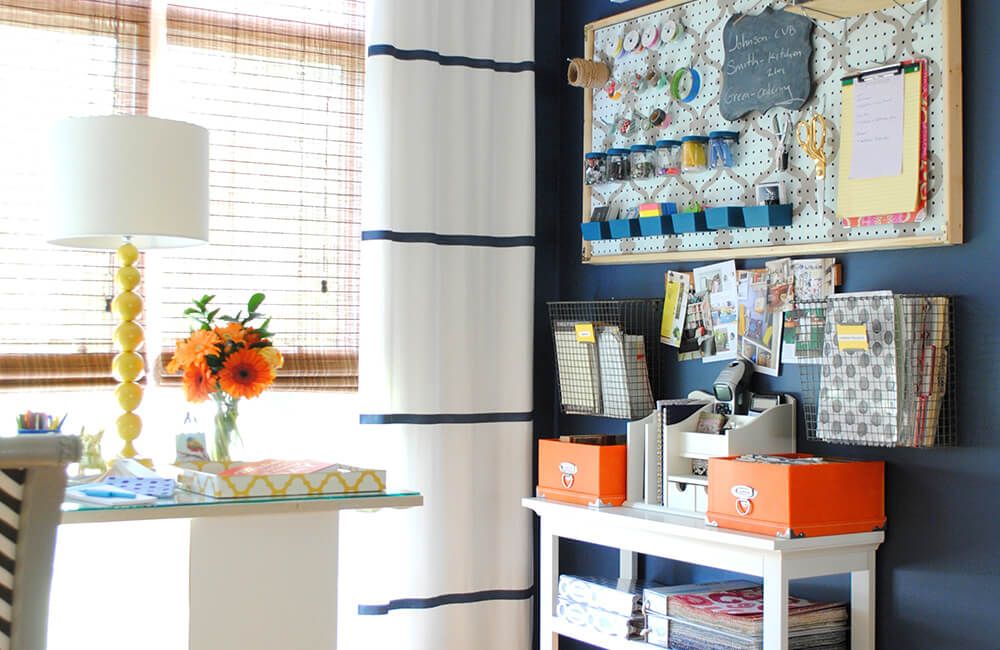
(279, 86)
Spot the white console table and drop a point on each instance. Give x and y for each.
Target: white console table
(686, 539)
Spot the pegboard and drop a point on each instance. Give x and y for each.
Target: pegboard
(928, 29)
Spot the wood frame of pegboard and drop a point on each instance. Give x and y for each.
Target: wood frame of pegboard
(821, 10)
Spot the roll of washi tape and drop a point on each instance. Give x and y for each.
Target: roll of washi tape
(658, 118)
(613, 90)
(614, 48)
(693, 86)
(671, 30)
(632, 40)
(625, 125)
(649, 36)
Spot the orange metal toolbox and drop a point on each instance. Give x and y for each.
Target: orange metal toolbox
(592, 475)
(831, 497)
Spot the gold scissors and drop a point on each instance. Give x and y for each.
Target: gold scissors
(811, 134)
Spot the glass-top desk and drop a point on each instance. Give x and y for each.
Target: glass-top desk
(185, 505)
(263, 570)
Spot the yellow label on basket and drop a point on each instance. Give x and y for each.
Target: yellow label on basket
(852, 337)
(585, 333)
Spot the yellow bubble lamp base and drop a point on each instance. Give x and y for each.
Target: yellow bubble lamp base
(128, 366)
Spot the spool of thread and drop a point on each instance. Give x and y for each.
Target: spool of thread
(587, 74)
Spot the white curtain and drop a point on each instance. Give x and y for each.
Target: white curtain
(446, 318)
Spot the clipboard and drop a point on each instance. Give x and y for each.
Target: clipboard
(893, 199)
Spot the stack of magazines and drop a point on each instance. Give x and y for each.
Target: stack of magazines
(730, 616)
(606, 605)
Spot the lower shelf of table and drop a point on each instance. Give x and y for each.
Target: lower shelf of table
(595, 638)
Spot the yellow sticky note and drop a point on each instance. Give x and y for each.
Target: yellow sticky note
(852, 337)
(585, 333)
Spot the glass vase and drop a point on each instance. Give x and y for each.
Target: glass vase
(226, 428)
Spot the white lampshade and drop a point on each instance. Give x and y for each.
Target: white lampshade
(129, 175)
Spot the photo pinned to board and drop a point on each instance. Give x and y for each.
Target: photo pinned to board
(759, 329)
(802, 334)
(720, 281)
(697, 340)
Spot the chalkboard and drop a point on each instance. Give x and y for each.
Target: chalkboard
(767, 63)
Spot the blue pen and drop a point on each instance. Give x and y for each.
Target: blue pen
(98, 492)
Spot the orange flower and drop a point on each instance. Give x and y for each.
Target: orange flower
(194, 349)
(173, 365)
(232, 332)
(272, 356)
(198, 382)
(245, 374)
(251, 336)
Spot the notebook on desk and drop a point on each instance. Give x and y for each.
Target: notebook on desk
(106, 494)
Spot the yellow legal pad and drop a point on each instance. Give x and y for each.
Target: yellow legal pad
(887, 194)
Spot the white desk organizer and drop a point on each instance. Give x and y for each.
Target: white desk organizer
(659, 470)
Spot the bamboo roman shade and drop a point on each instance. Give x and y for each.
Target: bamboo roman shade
(279, 86)
(280, 92)
(58, 59)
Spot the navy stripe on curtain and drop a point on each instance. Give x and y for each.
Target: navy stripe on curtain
(448, 240)
(384, 49)
(444, 418)
(446, 599)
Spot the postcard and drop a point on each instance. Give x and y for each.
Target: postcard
(697, 334)
(780, 285)
(719, 280)
(759, 331)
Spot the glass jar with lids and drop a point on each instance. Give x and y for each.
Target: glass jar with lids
(694, 153)
(642, 160)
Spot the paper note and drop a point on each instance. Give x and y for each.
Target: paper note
(890, 194)
(852, 337)
(878, 127)
(585, 333)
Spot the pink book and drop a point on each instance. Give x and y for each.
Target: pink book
(273, 467)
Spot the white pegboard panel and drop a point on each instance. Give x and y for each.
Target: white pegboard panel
(840, 48)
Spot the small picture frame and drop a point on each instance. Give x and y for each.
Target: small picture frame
(771, 193)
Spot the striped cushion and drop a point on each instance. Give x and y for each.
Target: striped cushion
(11, 491)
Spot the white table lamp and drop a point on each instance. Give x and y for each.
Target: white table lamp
(127, 182)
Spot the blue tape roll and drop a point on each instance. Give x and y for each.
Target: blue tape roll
(695, 85)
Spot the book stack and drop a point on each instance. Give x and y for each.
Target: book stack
(731, 616)
(606, 605)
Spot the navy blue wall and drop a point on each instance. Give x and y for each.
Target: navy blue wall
(939, 569)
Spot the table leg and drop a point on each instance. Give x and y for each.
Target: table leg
(863, 606)
(264, 582)
(628, 565)
(775, 603)
(548, 578)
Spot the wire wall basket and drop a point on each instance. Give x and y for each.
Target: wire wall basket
(607, 356)
(878, 369)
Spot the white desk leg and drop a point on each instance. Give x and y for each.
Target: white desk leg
(548, 577)
(775, 603)
(628, 565)
(264, 582)
(863, 606)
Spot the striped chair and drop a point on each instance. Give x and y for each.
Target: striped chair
(32, 481)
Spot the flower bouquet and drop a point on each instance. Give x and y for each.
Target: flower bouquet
(226, 363)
